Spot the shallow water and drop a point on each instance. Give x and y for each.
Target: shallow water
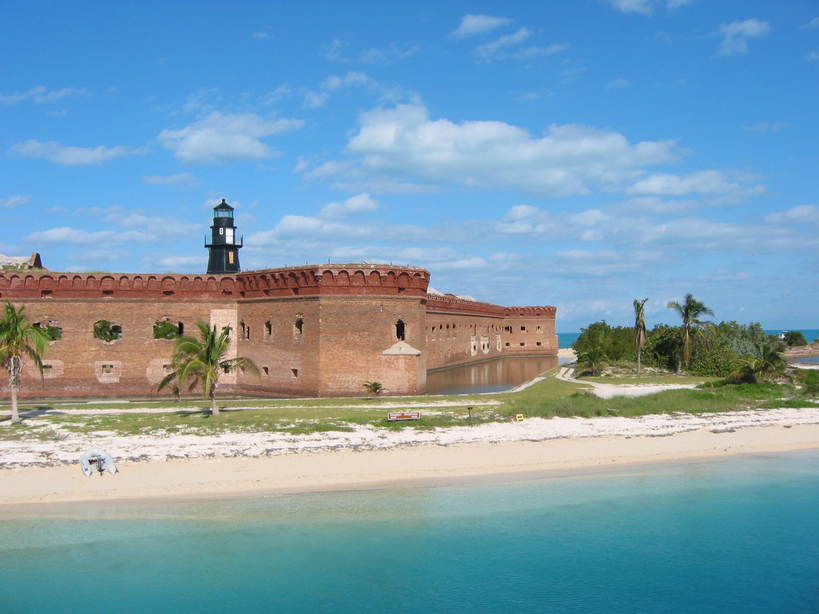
(807, 360)
(738, 535)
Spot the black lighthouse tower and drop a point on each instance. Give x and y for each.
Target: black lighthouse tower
(223, 247)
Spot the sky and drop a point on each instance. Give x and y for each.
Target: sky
(579, 154)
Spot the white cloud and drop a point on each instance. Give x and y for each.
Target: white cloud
(590, 217)
(179, 262)
(42, 95)
(472, 25)
(361, 203)
(351, 79)
(14, 201)
(315, 100)
(803, 214)
(403, 141)
(813, 56)
(736, 34)
(72, 156)
(394, 51)
(507, 47)
(702, 182)
(260, 35)
(813, 23)
(223, 138)
(618, 83)
(185, 179)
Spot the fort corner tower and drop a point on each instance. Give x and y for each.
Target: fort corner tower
(223, 248)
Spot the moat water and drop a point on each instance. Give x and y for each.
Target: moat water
(488, 376)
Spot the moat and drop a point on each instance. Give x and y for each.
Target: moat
(488, 376)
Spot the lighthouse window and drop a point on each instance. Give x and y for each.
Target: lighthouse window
(230, 257)
(400, 330)
(229, 235)
(221, 231)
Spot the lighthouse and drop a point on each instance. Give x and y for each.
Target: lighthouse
(223, 248)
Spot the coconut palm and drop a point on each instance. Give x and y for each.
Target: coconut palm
(769, 363)
(19, 339)
(202, 361)
(690, 311)
(639, 329)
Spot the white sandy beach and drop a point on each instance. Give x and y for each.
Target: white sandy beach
(190, 465)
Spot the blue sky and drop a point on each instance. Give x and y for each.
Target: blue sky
(580, 154)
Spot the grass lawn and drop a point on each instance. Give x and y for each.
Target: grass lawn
(548, 398)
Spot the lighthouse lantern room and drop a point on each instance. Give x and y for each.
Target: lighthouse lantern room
(223, 247)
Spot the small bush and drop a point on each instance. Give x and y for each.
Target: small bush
(107, 331)
(794, 338)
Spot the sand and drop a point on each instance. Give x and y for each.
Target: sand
(320, 469)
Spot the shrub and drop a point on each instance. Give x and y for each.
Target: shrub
(794, 338)
(107, 331)
(165, 330)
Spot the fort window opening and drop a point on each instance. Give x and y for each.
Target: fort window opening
(109, 368)
(523, 329)
(268, 329)
(295, 372)
(165, 329)
(538, 343)
(266, 370)
(540, 329)
(298, 326)
(227, 330)
(400, 330)
(107, 331)
(226, 368)
(242, 329)
(50, 329)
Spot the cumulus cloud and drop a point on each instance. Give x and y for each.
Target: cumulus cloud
(335, 52)
(472, 25)
(361, 203)
(185, 179)
(765, 127)
(224, 138)
(735, 35)
(14, 201)
(40, 94)
(813, 23)
(72, 156)
(702, 182)
(569, 159)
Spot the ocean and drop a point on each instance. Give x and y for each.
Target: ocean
(565, 340)
(734, 535)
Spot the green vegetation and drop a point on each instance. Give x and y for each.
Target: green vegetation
(373, 388)
(690, 310)
(54, 333)
(165, 330)
(18, 339)
(201, 361)
(107, 331)
(794, 338)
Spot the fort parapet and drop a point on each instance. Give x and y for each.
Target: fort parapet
(315, 330)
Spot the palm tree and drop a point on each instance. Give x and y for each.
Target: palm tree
(203, 360)
(18, 339)
(690, 312)
(769, 363)
(639, 329)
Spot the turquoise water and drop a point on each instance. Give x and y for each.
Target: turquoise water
(565, 340)
(739, 535)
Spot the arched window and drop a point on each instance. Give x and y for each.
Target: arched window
(298, 326)
(400, 330)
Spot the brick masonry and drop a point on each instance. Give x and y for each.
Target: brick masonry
(312, 331)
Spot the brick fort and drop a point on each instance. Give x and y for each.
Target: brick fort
(314, 330)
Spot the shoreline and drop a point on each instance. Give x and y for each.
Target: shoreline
(34, 488)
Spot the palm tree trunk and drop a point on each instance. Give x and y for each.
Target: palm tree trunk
(214, 409)
(13, 379)
(638, 362)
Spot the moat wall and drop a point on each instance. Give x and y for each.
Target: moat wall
(312, 331)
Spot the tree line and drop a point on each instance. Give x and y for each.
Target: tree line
(697, 346)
